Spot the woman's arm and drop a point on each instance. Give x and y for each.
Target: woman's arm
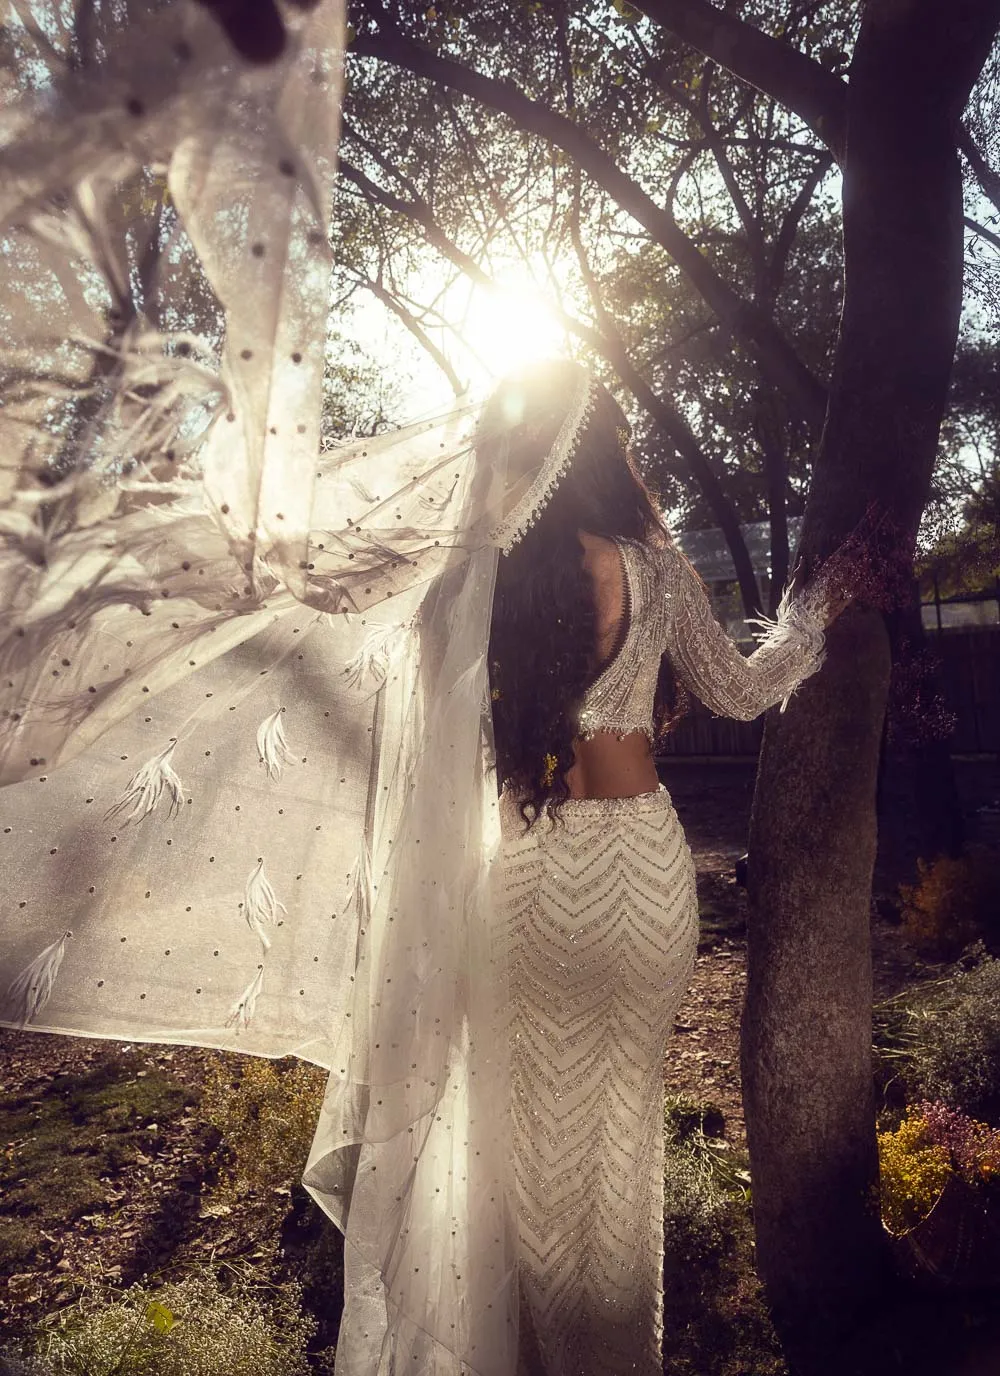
(711, 665)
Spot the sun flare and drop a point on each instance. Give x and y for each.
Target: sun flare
(508, 327)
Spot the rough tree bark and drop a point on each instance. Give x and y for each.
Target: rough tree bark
(807, 1022)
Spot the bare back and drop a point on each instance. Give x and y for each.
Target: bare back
(607, 765)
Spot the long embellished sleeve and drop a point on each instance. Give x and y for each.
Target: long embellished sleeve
(712, 666)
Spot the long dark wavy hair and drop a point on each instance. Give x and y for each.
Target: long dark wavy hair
(543, 638)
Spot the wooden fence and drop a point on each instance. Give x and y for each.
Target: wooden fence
(969, 678)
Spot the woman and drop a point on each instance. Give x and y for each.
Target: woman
(599, 626)
(243, 810)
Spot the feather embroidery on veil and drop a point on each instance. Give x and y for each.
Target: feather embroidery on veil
(242, 1011)
(381, 648)
(28, 994)
(360, 887)
(260, 906)
(468, 678)
(147, 786)
(272, 746)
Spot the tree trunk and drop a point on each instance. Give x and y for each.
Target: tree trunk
(807, 1022)
(919, 744)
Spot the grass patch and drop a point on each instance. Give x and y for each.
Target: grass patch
(266, 1114)
(63, 1144)
(213, 1322)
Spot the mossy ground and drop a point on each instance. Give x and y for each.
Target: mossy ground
(112, 1173)
(66, 1146)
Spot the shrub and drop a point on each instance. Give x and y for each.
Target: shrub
(952, 903)
(957, 1060)
(267, 1118)
(941, 1041)
(203, 1325)
(715, 1319)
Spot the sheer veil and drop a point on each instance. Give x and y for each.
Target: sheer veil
(244, 727)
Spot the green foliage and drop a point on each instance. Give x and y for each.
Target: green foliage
(266, 1112)
(203, 1325)
(715, 1320)
(943, 1042)
(61, 1148)
(952, 903)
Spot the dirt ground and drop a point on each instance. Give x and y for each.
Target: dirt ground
(123, 1126)
(713, 802)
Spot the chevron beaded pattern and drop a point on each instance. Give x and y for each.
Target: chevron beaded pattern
(599, 932)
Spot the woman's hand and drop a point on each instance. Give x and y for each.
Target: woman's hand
(872, 565)
(254, 27)
(834, 584)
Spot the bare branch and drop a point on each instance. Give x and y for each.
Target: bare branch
(418, 210)
(415, 328)
(982, 231)
(779, 70)
(989, 181)
(751, 225)
(775, 354)
(790, 224)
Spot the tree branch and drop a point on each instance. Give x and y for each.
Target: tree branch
(779, 70)
(751, 225)
(989, 181)
(419, 211)
(671, 423)
(790, 225)
(982, 231)
(775, 355)
(412, 324)
(607, 343)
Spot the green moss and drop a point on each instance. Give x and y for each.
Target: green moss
(65, 1138)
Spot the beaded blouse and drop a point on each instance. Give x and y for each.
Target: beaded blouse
(667, 611)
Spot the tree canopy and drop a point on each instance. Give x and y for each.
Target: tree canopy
(681, 225)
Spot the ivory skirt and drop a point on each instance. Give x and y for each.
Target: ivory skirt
(600, 926)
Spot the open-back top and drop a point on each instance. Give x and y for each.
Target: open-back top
(666, 611)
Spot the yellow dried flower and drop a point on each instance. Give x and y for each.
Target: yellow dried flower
(913, 1173)
(950, 902)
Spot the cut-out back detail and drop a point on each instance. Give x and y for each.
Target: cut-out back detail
(668, 612)
(614, 636)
